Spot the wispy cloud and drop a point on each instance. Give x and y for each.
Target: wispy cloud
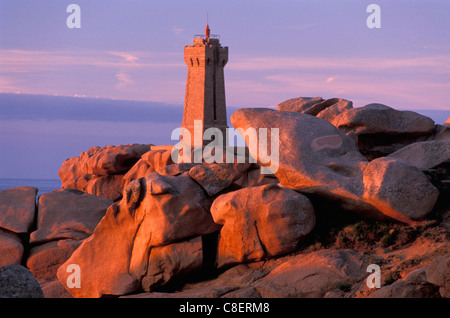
(298, 27)
(440, 63)
(9, 84)
(126, 56)
(109, 74)
(16, 61)
(124, 80)
(263, 80)
(179, 32)
(399, 82)
(406, 92)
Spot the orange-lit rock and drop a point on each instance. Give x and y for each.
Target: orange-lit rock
(155, 211)
(68, 214)
(173, 260)
(104, 258)
(213, 178)
(100, 171)
(299, 104)
(139, 170)
(260, 222)
(447, 122)
(399, 190)
(11, 248)
(303, 162)
(17, 208)
(44, 260)
(112, 159)
(253, 178)
(177, 168)
(316, 158)
(312, 105)
(158, 158)
(335, 110)
(110, 186)
(312, 275)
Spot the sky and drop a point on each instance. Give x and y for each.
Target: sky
(121, 77)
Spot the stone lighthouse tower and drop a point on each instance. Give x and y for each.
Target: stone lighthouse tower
(205, 87)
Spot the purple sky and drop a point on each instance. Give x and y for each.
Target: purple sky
(133, 50)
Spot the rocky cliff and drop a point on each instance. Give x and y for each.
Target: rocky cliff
(353, 187)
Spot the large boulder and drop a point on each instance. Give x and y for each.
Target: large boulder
(16, 281)
(312, 152)
(254, 178)
(401, 191)
(68, 214)
(316, 158)
(18, 208)
(260, 222)
(299, 104)
(213, 178)
(109, 186)
(426, 154)
(155, 211)
(438, 273)
(100, 171)
(313, 275)
(382, 129)
(312, 105)
(335, 110)
(139, 170)
(382, 119)
(44, 260)
(441, 132)
(172, 261)
(11, 248)
(112, 159)
(158, 158)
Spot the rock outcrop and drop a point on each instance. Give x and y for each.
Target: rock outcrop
(17, 213)
(312, 275)
(377, 129)
(17, 209)
(68, 214)
(134, 223)
(155, 211)
(260, 222)
(323, 161)
(399, 190)
(11, 248)
(426, 154)
(313, 105)
(100, 171)
(213, 178)
(381, 129)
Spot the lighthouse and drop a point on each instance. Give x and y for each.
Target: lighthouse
(204, 103)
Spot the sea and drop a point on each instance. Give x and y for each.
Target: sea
(43, 185)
